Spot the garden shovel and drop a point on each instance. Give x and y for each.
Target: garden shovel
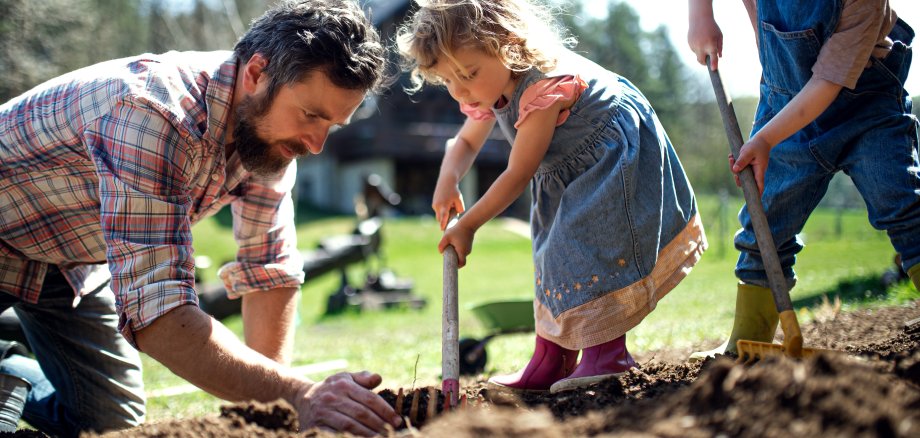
(792, 342)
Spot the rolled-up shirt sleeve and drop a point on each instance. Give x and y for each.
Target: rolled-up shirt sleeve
(142, 162)
(263, 226)
(846, 53)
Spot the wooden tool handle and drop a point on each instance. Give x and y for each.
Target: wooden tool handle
(752, 197)
(450, 335)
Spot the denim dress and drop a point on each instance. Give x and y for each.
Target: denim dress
(613, 218)
(867, 132)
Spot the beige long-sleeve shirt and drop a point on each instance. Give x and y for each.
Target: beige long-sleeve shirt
(861, 34)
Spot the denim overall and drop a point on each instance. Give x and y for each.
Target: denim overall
(867, 132)
(608, 195)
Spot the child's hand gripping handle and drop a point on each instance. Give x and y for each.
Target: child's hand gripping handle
(762, 232)
(450, 336)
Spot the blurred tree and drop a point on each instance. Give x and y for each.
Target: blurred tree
(249, 9)
(39, 41)
(163, 32)
(118, 29)
(667, 85)
(199, 25)
(214, 24)
(46, 38)
(232, 12)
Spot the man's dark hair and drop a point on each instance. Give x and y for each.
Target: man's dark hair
(301, 36)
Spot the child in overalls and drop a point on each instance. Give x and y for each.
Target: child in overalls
(831, 99)
(614, 220)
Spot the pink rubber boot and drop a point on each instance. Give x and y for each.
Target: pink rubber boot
(598, 363)
(550, 362)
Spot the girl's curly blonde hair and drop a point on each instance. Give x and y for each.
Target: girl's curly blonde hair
(522, 34)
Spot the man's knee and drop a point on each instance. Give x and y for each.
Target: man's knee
(119, 405)
(121, 397)
(129, 413)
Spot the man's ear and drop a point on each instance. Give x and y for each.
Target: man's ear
(254, 73)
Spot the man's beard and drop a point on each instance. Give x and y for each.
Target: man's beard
(254, 151)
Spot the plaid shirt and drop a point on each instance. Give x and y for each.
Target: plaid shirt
(113, 164)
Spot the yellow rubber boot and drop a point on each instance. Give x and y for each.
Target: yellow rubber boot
(756, 319)
(914, 274)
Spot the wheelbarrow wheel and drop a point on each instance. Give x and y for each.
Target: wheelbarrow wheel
(472, 356)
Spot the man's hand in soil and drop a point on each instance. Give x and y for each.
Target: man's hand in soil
(203, 351)
(343, 402)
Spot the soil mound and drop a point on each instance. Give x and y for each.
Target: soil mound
(872, 389)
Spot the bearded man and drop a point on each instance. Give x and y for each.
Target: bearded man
(105, 170)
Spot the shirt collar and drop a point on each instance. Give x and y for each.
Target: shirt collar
(219, 98)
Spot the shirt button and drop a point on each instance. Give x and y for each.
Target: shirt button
(215, 176)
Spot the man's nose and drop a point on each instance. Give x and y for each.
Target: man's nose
(315, 140)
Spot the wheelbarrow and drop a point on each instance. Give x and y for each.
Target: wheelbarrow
(499, 318)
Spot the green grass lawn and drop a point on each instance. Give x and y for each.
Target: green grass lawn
(844, 256)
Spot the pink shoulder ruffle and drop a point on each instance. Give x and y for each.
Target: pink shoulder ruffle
(544, 93)
(476, 113)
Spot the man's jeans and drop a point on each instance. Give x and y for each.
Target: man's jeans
(87, 376)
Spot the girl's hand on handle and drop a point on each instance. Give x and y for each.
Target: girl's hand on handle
(756, 153)
(704, 34)
(461, 238)
(446, 202)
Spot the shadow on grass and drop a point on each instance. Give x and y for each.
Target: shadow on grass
(857, 290)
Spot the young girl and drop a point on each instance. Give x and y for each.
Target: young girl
(614, 221)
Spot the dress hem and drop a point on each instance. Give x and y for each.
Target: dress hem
(614, 313)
